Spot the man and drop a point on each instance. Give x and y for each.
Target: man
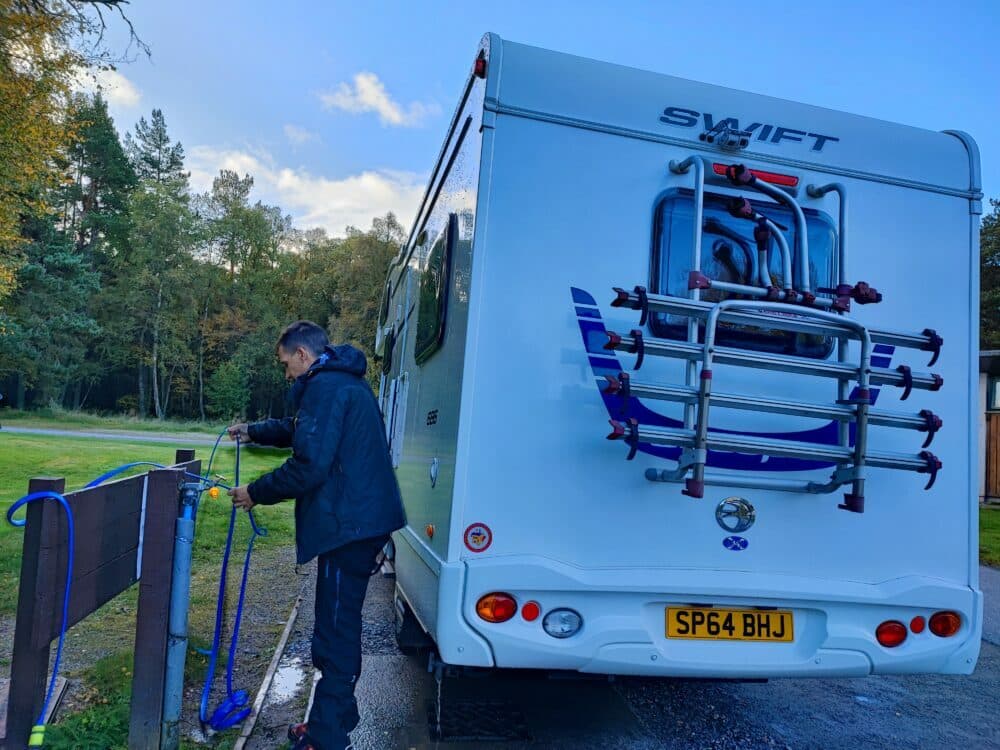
(347, 502)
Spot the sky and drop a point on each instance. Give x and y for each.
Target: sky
(338, 109)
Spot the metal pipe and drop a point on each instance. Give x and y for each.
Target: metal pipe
(180, 596)
(682, 167)
(786, 254)
(862, 404)
(843, 435)
(802, 240)
(760, 293)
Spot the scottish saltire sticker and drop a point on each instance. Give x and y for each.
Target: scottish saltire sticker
(735, 543)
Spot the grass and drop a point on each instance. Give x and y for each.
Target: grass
(107, 682)
(81, 460)
(989, 536)
(68, 420)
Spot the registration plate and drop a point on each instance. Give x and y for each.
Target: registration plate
(704, 623)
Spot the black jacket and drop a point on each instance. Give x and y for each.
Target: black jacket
(340, 473)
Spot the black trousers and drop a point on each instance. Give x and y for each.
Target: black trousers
(341, 582)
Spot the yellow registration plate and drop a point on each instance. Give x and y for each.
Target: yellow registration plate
(704, 623)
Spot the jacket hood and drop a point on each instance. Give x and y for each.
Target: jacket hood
(344, 358)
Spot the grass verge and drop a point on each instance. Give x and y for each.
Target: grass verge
(58, 419)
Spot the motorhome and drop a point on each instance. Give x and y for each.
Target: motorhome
(678, 380)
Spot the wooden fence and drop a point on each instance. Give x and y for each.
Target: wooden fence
(124, 535)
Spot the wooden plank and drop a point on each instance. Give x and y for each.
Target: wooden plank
(89, 593)
(993, 455)
(30, 663)
(152, 621)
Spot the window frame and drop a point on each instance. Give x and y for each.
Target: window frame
(423, 351)
(728, 335)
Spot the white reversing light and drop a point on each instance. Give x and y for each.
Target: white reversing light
(562, 623)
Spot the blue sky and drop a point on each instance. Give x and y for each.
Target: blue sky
(338, 109)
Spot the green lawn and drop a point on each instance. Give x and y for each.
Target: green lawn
(68, 420)
(989, 536)
(81, 460)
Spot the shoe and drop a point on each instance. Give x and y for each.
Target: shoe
(297, 731)
(303, 744)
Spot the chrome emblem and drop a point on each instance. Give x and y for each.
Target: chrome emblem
(735, 515)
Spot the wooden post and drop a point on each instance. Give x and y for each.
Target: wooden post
(152, 617)
(30, 662)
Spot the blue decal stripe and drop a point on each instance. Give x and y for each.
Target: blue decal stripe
(582, 298)
(586, 312)
(884, 349)
(881, 361)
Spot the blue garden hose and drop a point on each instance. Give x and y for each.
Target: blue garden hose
(235, 707)
(37, 737)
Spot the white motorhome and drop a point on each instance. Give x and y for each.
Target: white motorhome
(697, 266)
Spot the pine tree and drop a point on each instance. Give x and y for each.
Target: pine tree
(154, 157)
(95, 204)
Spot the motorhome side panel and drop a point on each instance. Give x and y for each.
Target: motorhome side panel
(425, 379)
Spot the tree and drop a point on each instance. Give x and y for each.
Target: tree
(95, 204)
(44, 44)
(154, 156)
(989, 279)
(50, 310)
(228, 392)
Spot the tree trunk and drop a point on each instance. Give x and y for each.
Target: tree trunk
(156, 354)
(201, 362)
(77, 391)
(141, 408)
(19, 392)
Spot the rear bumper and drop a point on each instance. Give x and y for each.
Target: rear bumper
(624, 628)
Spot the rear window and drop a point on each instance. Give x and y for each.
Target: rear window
(727, 253)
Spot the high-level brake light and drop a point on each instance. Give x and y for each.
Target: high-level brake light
(786, 180)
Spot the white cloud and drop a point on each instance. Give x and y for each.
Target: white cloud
(314, 200)
(368, 94)
(117, 90)
(298, 135)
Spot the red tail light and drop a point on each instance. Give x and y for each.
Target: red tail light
(496, 607)
(530, 611)
(480, 68)
(945, 624)
(917, 624)
(891, 633)
(786, 180)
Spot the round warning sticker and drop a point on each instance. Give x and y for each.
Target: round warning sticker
(478, 537)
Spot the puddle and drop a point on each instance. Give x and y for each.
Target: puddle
(287, 680)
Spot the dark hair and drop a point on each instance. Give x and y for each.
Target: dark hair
(303, 333)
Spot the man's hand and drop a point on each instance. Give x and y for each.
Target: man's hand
(241, 497)
(239, 430)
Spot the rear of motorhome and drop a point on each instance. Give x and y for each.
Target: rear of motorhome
(678, 380)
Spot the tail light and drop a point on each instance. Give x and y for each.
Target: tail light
(530, 611)
(496, 607)
(785, 180)
(891, 633)
(917, 624)
(945, 624)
